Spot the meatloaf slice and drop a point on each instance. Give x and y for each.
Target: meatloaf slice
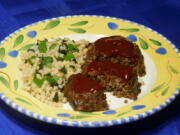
(85, 94)
(120, 79)
(117, 49)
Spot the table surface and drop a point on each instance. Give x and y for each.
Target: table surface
(160, 15)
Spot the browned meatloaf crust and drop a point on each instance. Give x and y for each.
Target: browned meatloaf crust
(137, 64)
(110, 79)
(84, 100)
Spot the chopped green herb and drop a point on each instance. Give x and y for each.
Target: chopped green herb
(26, 61)
(52, 46)
(41, 63)
(56, 98)
(75, 61)
(41, 59)
(49, 78)
(38, 82)
(37, 72)
(49, 65)
(71, 66)
(48, 75)
(54, 84)
(40, 66)
(72, 48)
(64, 40)
(47, 61)
(52, 80)
(59, 58)
(62, 51)
(38, 42)
(31, 50)
(69, 56)
(64, 70)
(42, 46)
(33, 57)
(30, 60)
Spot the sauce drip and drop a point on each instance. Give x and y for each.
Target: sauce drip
(106, 67)
(115, 46)
(82, 84)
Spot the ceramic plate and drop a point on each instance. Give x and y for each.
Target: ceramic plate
(162, 61)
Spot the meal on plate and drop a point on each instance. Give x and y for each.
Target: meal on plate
(61, 70)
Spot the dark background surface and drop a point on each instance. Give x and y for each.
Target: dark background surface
(160, 15)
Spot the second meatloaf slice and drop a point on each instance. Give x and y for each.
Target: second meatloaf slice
(85, 94)
(120, 79)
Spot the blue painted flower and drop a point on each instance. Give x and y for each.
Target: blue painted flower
(32, 34)
(31, 114)
(138, 107)
(75, 123)
(132, 38)
(131, 119)
(123, 121)
(161, 51)
(45, 118)
(112, 25)
(114, 122)
(85, 123)
(63, 115)
(109, 112)
(3, 64)
(161, 105)
(10, 103)
(105, 123)
(154, 109)
(17, 107)
(5, 99)
(24, 111)
(64, 122)
(96, 123)
(38, 116)
(148, 113)
(54, 121)
(13, 53)
(140, 116)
